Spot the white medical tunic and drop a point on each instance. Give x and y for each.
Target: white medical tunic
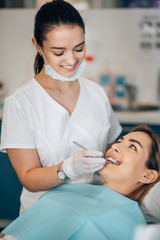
(32, 119)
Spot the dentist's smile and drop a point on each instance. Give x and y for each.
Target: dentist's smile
(69, 67)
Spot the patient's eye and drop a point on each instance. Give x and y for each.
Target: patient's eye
(133, 147)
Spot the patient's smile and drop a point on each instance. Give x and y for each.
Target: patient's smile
(112, 160)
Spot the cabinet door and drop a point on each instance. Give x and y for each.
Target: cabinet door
(10, 189)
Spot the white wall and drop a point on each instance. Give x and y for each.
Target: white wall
(110, 34)
(16, 50)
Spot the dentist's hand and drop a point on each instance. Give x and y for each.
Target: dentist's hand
(84, 162)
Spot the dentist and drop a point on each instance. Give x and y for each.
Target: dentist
(43, 117)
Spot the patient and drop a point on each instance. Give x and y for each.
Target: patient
(139, 155)
(84, 211)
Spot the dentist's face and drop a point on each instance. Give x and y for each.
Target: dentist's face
(64, 49)
(131, 151)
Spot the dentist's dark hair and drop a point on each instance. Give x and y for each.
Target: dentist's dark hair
(50, 15)
(153, 162)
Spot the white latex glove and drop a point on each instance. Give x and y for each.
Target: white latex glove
(84, 162)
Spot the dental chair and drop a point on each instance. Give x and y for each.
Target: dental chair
(150, 207)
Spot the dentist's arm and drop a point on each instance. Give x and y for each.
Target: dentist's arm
(35, 178)
(30, 172)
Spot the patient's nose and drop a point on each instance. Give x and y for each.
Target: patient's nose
(116, 147)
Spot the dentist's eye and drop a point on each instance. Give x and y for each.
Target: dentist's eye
(79, 50)
(58, 54)
(133, 147)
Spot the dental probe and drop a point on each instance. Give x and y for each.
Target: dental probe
(81, 146)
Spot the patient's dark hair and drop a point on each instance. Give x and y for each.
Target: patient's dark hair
(153, 162)
(50, 15)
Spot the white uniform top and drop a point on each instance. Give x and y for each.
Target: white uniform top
(32, 119)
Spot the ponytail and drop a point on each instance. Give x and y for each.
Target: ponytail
(38, 63)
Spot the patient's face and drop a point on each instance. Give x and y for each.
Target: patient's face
(131, 151)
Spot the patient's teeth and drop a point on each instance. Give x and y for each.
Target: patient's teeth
(112, 161)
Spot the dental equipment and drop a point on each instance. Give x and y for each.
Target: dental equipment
(79, 145)
(111, 161)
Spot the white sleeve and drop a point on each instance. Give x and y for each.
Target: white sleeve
(16, 132)
(115, 127)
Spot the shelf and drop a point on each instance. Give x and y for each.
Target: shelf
(147, 117)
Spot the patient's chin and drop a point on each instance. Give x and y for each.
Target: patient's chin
(103, 170)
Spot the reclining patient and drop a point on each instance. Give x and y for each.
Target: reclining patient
(108, 211)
